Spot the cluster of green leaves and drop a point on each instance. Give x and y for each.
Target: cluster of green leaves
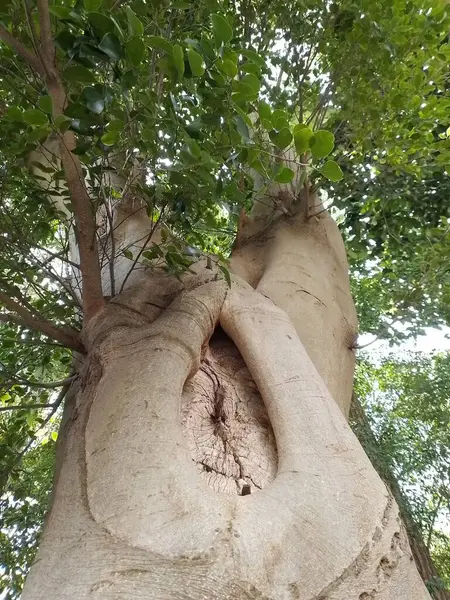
(407, 403)
(152, 84)
(396, 232)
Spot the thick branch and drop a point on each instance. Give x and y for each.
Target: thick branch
(93, 300)
(66, 336)
(32, 60)
(45, 26)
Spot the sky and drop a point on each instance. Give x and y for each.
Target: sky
(434, 340)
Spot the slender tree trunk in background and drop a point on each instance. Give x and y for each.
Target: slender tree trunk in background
(205, 449)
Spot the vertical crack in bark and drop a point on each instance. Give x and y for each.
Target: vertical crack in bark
(227, 425)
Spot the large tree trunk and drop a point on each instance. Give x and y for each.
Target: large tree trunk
(205, 449)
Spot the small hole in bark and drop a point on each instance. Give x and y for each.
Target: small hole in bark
(246, 490)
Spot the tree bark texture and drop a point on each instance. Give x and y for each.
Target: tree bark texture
(205, 448)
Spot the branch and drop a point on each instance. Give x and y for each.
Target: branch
(138, 256)
(66, 337)
(32, 60)
(93, 300)
(45, 27)
(24, 407)
(45, 385)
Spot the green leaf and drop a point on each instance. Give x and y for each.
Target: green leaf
(243, 115)
(135, 26)
(322, 143)
(244, 88)
(140, 7)
(116, 125)
(178, 59)
(78, 73)
(264, 111)
(252, 81)
(254, 57)
(194, 148)
(196, 63)
(206, 176)
(111, 46)
(285, 175)
(242, 128)
(62, 123)
(93, 99)
(222, 30)
(39, 134)
(180, 4)
(35, 117)
(135, 50)
(228, 54)
(249, 67)
(228, 67)
(155, 41)
(54, 435)
(281, 138)
(302, 138)
(91, 5)
(110, 138)
(45, 104)
(14, 113)
(280, 119)
(332, 171)
(101, 23)
(61, 12)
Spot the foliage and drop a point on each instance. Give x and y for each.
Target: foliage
(23, 510)
(407, 403)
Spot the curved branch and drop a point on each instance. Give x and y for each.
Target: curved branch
(65, 336)
(31, 60)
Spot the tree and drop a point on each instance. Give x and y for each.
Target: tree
(204, 449)
(405, 435)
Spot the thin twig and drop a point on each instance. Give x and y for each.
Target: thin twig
(50, 385)
(55, 405)
(24, 407)
(139, 254)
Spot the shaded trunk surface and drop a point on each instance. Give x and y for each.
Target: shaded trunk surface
(205, 449)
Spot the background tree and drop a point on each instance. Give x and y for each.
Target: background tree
(180, 118)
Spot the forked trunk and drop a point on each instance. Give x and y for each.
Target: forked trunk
(206, 452)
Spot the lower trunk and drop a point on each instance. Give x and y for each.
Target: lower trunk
(206, 451)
